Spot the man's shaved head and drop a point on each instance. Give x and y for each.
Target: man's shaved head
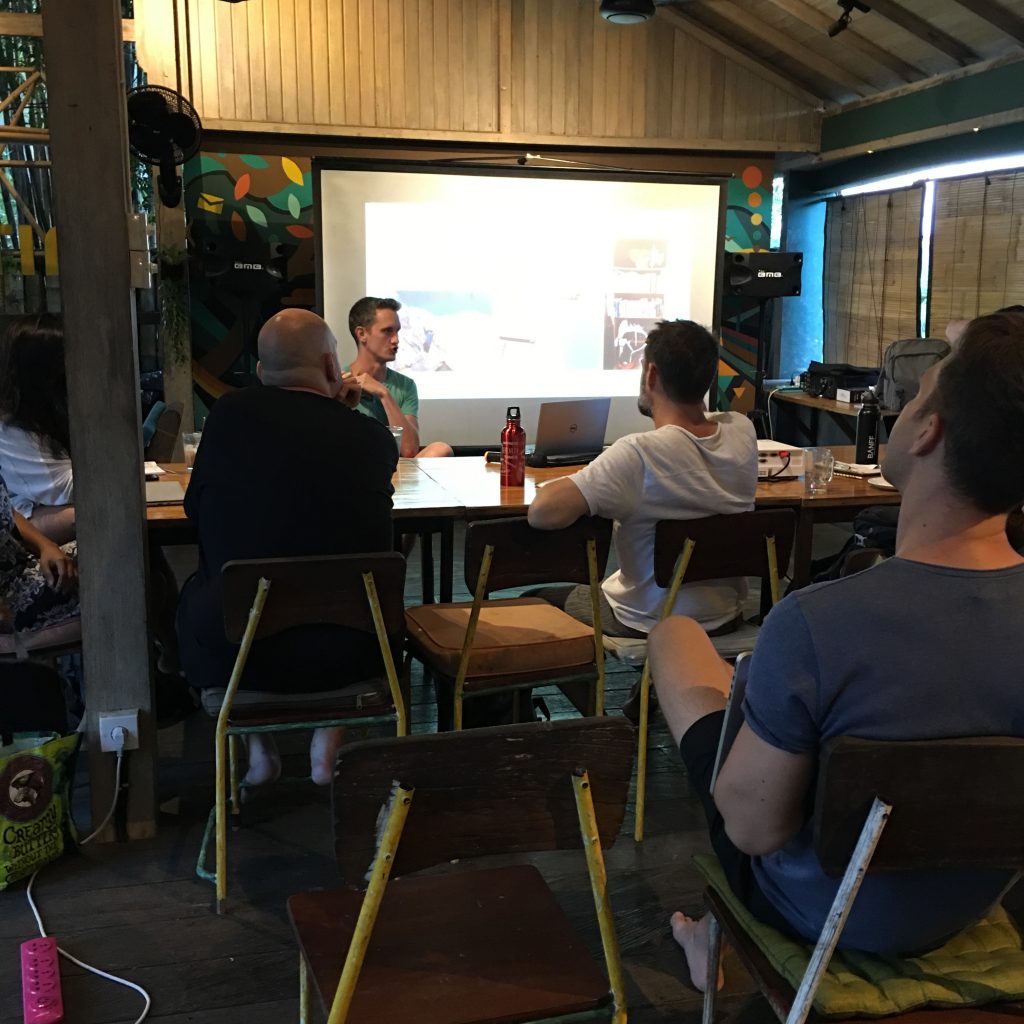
(293, 345)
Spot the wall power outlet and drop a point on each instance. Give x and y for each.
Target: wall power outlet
(111, 720)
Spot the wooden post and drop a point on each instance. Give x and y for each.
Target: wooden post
(88, 125)
(176, 354)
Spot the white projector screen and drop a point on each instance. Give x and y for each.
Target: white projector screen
(518, 285)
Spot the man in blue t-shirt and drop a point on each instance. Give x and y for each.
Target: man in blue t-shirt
(915, 648)
(388, 396)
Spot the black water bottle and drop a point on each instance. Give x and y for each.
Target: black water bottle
(868, 421)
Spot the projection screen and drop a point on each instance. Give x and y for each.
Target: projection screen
(518, 285)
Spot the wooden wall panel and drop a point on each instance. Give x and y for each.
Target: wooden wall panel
(486, 70)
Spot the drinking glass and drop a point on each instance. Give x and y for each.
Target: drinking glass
(190, 442)
(396, 433)
(819, 464)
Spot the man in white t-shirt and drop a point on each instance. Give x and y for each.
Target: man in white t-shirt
(693, 464)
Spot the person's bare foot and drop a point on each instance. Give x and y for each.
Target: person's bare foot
(264, 762)
(323, 752)
(693, 937)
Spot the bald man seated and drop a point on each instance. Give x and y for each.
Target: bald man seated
(287, 468)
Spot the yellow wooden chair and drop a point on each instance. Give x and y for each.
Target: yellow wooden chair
(471, 945)
(715, 547)
(263, 597)
(513, 644)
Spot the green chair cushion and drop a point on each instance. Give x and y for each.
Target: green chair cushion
(983, 964)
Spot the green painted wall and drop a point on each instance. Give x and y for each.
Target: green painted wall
(989, 92)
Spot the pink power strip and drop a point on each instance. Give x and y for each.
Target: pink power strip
(40, 982)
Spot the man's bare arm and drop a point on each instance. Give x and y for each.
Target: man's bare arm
(761, 793)
(557, 504)
(396, 418)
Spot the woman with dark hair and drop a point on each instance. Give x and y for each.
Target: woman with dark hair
(37, 578)
(35, 446)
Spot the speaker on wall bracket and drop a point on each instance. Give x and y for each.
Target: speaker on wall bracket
(764, 275)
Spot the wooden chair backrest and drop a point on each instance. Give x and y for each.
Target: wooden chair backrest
(315, 590)
(956, 802)
(524, 556)
(726, 545)
(506, 789)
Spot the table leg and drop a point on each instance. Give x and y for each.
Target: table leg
(802, 543)
(447, 532)
(427, 565)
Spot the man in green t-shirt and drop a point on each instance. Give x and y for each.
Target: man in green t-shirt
(388, 396)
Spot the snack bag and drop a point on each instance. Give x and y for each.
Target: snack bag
(35, 816)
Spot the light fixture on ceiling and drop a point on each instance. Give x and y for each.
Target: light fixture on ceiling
(843, 21)
(627, 12)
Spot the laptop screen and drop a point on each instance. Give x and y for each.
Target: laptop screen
(570, 428)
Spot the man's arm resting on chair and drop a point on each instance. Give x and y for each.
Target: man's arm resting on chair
(761, 793)
(556, 505)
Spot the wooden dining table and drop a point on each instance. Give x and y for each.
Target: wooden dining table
(432, 495)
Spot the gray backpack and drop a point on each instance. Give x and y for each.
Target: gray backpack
(902, 366)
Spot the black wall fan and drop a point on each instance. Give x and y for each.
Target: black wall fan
(163, 129)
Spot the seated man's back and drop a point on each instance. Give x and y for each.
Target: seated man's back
(281, 472)
(904, 651)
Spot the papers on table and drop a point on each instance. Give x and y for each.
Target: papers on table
(881, 483)
(164, 492)
(153, 471)
(858, 468)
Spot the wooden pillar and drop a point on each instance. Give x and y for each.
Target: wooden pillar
(88, 127)
(176, 353)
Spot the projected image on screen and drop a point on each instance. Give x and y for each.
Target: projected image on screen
(518, 288)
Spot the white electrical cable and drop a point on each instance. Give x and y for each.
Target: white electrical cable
(63, 952)
(771, 395)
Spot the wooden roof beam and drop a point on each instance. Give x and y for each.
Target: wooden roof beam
(924, 31)
(32, 25)
(996, 14)
(803, 11)
(820, 67)
(750, 61)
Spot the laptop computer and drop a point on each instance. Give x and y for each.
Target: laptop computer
(569, 433)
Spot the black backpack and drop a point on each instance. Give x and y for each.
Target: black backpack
(902, 366)
(874, 528)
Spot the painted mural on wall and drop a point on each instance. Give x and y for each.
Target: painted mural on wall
(747, 229)
(251, 254)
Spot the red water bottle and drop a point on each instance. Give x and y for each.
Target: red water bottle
(513, 450)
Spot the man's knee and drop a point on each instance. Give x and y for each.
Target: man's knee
(682, 655)
(671, 637)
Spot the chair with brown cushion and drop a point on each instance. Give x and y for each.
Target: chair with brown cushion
(513, 644)
(471, 944)
(263, 597)
(715, 547)
(889, 807)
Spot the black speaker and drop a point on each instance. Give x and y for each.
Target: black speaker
(764, 275)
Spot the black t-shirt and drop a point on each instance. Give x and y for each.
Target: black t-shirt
(282, 473)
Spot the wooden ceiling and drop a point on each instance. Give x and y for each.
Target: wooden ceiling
(895, 43)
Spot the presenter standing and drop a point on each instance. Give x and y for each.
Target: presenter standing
(388, 396)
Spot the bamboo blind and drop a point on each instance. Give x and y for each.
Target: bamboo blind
(976, 247)
(871, 274)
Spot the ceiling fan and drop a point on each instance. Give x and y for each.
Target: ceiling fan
(631, 12)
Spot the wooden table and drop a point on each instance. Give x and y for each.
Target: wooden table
(431, 495)
(843, 499)
(843, 414)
